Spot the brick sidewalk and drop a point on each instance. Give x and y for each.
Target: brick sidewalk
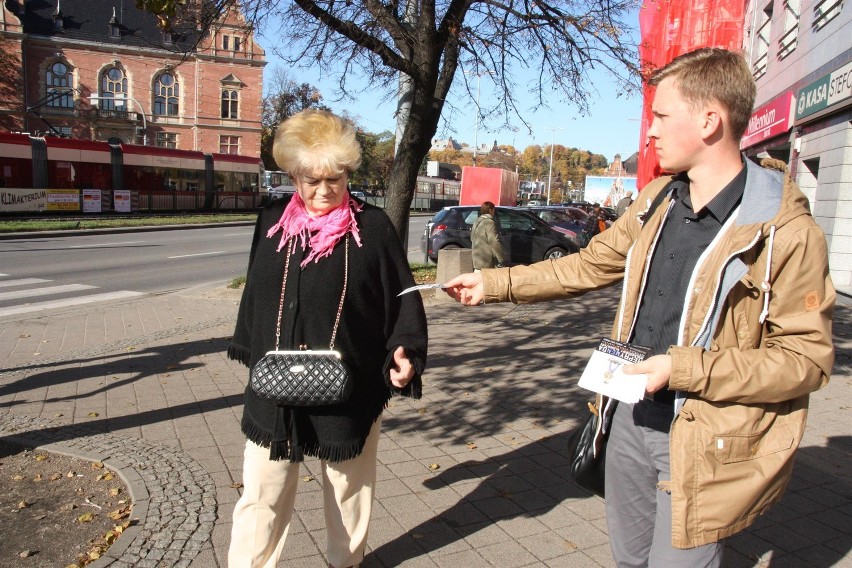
(146, 387)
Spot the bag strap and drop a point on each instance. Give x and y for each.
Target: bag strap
(290, 250)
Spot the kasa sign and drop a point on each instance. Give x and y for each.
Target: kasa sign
(825, 92)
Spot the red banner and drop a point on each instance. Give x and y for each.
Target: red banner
(670, 29)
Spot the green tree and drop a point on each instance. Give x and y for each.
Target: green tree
(285, 97)
(426, 42)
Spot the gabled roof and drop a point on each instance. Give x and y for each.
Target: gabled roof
(89, 20)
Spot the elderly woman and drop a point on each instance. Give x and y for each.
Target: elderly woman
(382, 339)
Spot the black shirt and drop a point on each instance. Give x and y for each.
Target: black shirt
(685, 236)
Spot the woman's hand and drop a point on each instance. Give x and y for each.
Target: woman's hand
(403, 371)
(466, 289)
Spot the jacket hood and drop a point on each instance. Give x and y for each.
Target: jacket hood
(769, 197)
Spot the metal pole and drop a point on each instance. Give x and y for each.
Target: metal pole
(550, 169)
(476, 128)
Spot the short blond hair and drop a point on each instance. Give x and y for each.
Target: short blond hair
(713, 73)
(316, 140)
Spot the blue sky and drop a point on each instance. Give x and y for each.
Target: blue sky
(612, 126)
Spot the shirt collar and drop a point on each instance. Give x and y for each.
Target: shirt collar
(725, 201)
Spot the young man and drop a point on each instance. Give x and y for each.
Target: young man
(727, 282)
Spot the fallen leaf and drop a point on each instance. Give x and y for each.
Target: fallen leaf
(434, 466)
(26, 553)
(58, 415)
(17, 478)
(97, 465)
(93, 415)
(421, 411)
(37, 477)
(471, 446)
(70, 474)
(55, 476)
(416, 535)
(41, 457)
(307, 478)
(114, 491)
(39, 517)
(129, 348)
(86, 517)
(236, 485)
(23, 505)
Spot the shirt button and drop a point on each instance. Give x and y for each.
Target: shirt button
(659, 292)
(671, 255)
(687, 221)
(650, 328)
(292, 305)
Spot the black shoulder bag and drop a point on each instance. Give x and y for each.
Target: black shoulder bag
(303, 378)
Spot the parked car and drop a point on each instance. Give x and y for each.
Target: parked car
(525, 237)
(568, 220)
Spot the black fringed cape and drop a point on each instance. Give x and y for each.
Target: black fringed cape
(373, 324)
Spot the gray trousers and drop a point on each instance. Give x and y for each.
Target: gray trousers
(638, 515)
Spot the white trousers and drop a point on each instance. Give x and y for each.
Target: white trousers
(263, 513)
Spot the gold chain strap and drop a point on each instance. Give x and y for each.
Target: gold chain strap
(284, 287)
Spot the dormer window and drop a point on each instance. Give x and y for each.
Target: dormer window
(226, 42)
(58, 18)
(114, 27)
(236, 43)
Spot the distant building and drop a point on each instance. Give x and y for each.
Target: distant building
(439, 145)
(99, 70)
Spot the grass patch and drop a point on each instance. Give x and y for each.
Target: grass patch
(22, 225)
(237, 282)
(424, 273)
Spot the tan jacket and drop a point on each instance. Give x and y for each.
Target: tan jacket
(485, 241)
(753, 344)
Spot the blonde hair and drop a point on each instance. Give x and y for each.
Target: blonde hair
(713, 74)
(316, 141)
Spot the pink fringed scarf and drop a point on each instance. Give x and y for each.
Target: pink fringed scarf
(321, 232)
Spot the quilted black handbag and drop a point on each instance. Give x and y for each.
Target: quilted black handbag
(587, 463)
(303, 378)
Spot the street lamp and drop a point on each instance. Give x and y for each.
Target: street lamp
(550, 170)
(479, 75)
(119, 102)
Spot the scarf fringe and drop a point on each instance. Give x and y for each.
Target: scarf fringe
(239, 353)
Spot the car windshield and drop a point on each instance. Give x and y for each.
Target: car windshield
(552, 216)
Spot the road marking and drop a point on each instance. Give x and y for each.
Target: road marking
(197, 254)
(39, 306)
(44, 291)
(23, 282)
(106, 244)
(2, 275)
(238, 234)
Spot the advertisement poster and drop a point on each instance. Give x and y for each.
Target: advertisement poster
(121, 200)
(91, 201)
(608, 190)
(63, 199)
(15, 199)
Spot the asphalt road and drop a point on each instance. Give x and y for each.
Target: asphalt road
(38, 274)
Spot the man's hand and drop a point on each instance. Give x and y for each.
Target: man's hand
(403, 371)
(658, 368)
(466, 289)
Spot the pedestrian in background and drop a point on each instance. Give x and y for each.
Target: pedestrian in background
(485, 239)
(322, 242)
(623, 203)
(728, 284)
(595, 224)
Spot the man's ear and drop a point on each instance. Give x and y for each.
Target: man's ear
(711, 123)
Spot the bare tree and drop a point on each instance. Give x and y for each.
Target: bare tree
(429, 41)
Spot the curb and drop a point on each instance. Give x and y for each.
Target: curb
(118, 230)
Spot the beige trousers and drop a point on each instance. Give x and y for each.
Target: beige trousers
(263, 513)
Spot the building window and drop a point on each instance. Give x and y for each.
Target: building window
(230, 103)
(229, 144)
(65, 131)
(788, 41)
(761, 42)
(113, 86)
(825, 11)
(166, 93)
(59, 85)
(236, 43)
(226, 42)
(166, 140)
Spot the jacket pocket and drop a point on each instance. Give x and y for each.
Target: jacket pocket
(731, 448)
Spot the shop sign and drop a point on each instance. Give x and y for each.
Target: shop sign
(121, 200)
(770, 120)
(825, 92)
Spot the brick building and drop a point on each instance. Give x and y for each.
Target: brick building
(105, 70)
